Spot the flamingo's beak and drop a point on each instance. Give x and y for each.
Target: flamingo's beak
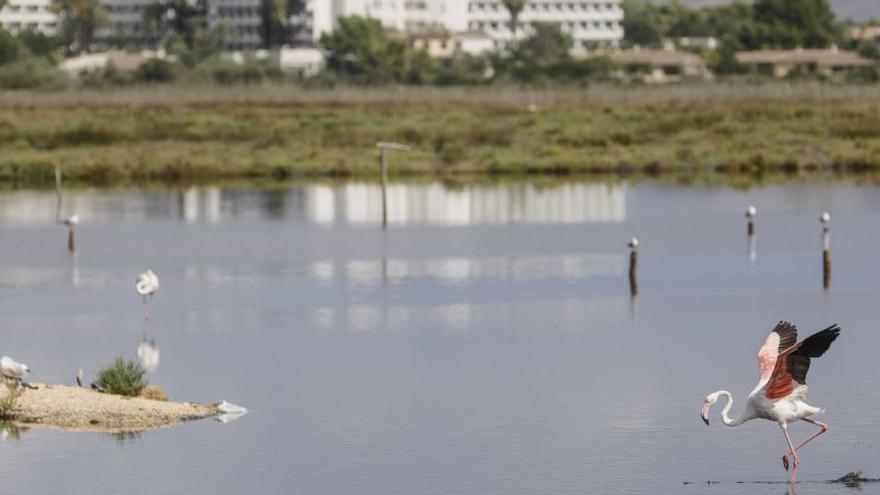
(705, 413)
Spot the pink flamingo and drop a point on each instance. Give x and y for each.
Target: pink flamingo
(780, 395)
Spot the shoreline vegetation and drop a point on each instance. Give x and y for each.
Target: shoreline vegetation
(176, 134)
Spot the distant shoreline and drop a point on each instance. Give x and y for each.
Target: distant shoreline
(181, 134)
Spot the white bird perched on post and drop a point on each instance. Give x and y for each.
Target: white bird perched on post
(825, 219)
(71, 220)
(751, 211)
(633, 243)
(146, 284)
(12, 370)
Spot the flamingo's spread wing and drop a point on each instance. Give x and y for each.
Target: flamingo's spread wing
(783, 337)
(793, 363)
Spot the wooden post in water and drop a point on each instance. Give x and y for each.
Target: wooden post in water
(825, 219)
(383, 174)
(633, 266)
(71, 222)
(57, 193)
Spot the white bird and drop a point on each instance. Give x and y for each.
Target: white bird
(825, 218)
(71, 220)
(781, 393)
(12, 370)
(633, 243)
(146, 284)
(751, 211)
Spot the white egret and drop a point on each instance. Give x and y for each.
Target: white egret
(146, 284)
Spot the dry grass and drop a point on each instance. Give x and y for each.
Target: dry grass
(506, 96)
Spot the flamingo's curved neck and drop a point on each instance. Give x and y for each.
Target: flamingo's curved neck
(724, 412)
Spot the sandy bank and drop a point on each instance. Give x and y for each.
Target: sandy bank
(76, 408)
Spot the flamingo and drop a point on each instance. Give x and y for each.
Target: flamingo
(781, 393)
(13, 371)
(146, 284)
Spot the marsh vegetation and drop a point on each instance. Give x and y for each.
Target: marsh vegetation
(279, 132)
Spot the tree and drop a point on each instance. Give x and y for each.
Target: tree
(795, 23)
(38, 43)
(640, 24)
(11, 48)
(79, 19)
(174, 18)
(280, 21)
(544, 55)
(360, 50)
(273, 22)
(515, 8)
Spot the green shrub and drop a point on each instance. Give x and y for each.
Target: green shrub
(122, 377)
(10, 48)
(31, 73)
(38, 44)
(155, 70)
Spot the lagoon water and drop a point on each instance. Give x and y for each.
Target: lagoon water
(486, 343)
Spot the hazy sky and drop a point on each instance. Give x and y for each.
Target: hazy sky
(855, 9)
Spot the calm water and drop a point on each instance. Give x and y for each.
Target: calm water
(486, 344)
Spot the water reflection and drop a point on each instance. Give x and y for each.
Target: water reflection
(9, 431)
(607, 313)
(457, 270)
(148, 354)
(349, 203)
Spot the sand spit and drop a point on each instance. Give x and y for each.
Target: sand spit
(77, 408)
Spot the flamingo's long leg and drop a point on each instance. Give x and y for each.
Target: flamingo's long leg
(793, 453)
(823, 428)
(146, 315)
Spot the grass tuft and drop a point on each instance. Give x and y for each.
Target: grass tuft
(122, 377)
(7, 404)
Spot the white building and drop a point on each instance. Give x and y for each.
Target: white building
(240, 18)
(588, 22)
(23, 15)
(125, 20)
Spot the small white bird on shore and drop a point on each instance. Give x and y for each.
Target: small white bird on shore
(146, 284)
(13, 370)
